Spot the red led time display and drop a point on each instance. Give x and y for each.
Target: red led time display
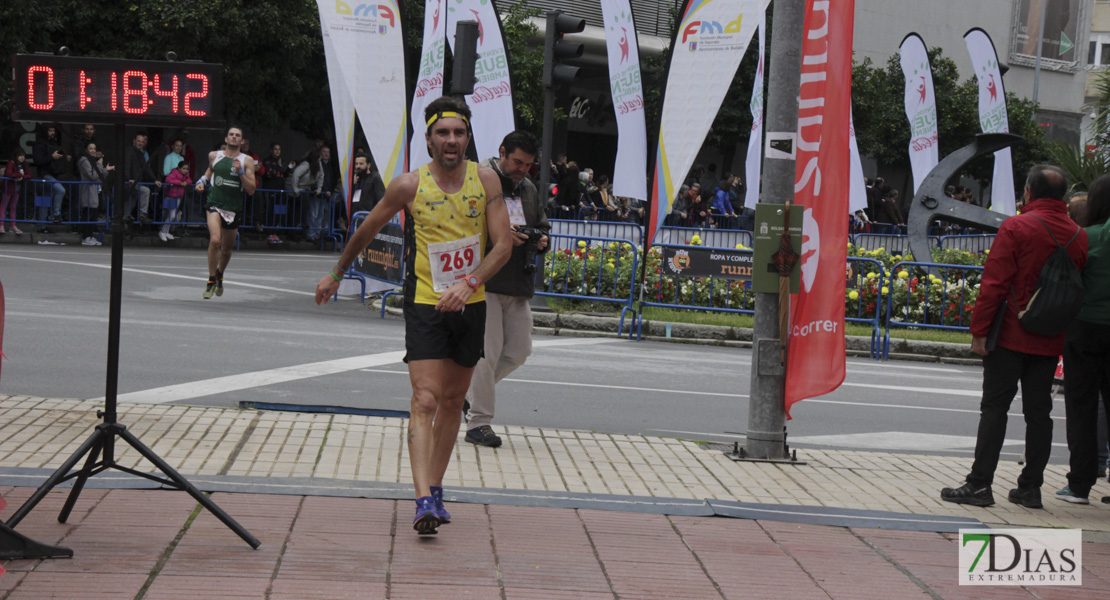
(76, 89)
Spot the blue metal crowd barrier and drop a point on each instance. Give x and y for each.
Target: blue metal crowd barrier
(709, 238)
(968, 243)
(599, 229)
(669, 292)
(894, 243)
(860, 268)
(33, 202)
(931, 301)
(87, 203)
(591, 268)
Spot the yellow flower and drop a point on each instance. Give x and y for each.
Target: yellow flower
(871, 275)
(880, 249)
(903, 275)
(854, 295)
(613, 245)
(696, 239)
(885, 290)
(987, 251)
(581, 244)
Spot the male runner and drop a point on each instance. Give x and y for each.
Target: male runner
(231, 174)
(452, 206)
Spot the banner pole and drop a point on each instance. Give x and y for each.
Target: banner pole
(766, 435)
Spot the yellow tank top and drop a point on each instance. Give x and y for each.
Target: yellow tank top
(448, 234)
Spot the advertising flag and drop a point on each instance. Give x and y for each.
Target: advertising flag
(366, 39)
(815, 341)
(753, 163)
(491, 104)
(711, 39)
(993, 117)
(343, 111)
(921, 107)
(857, 192)
(630, 171)
(429, 80)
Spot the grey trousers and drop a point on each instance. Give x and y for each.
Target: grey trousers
(508, 344)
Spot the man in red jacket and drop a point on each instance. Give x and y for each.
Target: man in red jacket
(1020, 249)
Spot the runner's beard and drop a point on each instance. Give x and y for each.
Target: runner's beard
(446, 163)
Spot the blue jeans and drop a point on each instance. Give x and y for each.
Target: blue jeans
(59, 193)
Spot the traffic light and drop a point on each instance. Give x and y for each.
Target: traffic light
(556, 49)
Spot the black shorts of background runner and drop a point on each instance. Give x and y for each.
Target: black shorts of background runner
(234, 224)
(433, 334)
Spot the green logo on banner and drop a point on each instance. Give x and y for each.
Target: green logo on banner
(1065, 44)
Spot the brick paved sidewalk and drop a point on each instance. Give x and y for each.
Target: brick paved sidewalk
(41, 433)
(155, 545)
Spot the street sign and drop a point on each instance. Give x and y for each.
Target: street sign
(767, 233)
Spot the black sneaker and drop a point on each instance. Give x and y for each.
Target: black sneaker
(1027, 497)
(145, 219)
(483, 436)
(968, 494)
(466, 410)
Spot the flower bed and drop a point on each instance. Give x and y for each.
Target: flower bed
(937, 296)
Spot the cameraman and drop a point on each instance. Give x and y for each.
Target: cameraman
(508, 339)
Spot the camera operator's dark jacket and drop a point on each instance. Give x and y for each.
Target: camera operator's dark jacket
(511, 280)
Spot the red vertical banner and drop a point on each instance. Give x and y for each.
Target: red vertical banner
(815, 346)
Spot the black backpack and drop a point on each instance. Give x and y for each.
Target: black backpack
(1058, 297)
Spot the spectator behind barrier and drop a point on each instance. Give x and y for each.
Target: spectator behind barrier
(137, 170)
(53, 166)
(176, 182)
(93, 169)
(308, 181)
(679, 215)
(570, 193)
(17, 170)
(368, 188)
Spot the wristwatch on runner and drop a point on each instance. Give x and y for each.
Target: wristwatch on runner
(473, 282)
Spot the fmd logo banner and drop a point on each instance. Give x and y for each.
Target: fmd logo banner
(1021, 557)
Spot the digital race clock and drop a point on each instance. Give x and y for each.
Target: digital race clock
(135, 92)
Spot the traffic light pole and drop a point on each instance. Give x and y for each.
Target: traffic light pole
(766, 436)
(554, 51)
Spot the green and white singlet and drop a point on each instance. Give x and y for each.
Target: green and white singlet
(226, 192)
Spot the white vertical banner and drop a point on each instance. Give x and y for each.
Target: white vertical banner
(491, 104)
(857, 185)
(366, 39)
(630, 170)
(711, 39)
(343, 111)
(921, 107)
(429, 80)
(753, 164)
(993, 117)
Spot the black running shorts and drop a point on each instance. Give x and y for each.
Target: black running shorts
(234, 224)
(432, 334)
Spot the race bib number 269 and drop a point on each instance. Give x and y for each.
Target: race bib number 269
(452, 261)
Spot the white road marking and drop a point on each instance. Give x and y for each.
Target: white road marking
(161, 274)
(594, 385)
(917, 390)
(244, 381)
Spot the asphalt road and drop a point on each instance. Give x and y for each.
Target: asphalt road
(265, 340)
